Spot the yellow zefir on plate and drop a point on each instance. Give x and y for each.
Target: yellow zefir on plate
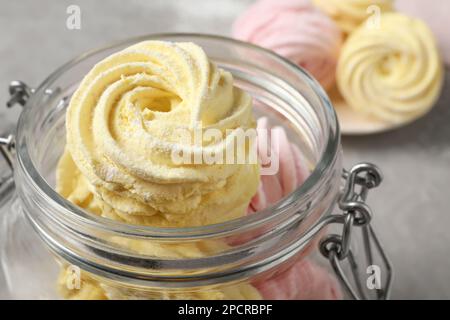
(388, 75)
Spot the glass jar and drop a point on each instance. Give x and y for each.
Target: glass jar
(46, 237)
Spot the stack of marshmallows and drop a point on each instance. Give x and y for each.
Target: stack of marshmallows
(379, 63)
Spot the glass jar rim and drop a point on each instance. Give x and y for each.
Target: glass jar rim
(267, 215)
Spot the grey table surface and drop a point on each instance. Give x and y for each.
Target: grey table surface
(411, 207)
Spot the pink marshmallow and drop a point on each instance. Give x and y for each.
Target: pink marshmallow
(287, 171)
(292, 170)
(296, 30)
(303, 281)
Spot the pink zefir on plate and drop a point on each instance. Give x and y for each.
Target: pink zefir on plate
(296, 30)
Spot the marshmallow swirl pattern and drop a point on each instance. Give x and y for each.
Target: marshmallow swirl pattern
(128, 118)
(296, 30)
(349, 14)
(393, 72)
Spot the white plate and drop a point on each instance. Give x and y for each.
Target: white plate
(354, 123)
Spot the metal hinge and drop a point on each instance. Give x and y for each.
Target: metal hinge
(19, 92)
(6, 149)
(356, 216)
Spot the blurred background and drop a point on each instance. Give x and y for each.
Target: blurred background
(412, 207)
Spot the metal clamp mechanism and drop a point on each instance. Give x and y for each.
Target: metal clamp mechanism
(6, 149)
(19, 93)
(6, 178)
(356, 216)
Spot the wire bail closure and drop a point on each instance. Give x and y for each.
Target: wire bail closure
(6, 149)
(356, 215)
(19, 92)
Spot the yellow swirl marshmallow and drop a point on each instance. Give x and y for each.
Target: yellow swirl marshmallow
(349, 14)
(131, 114)
(393, 72)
